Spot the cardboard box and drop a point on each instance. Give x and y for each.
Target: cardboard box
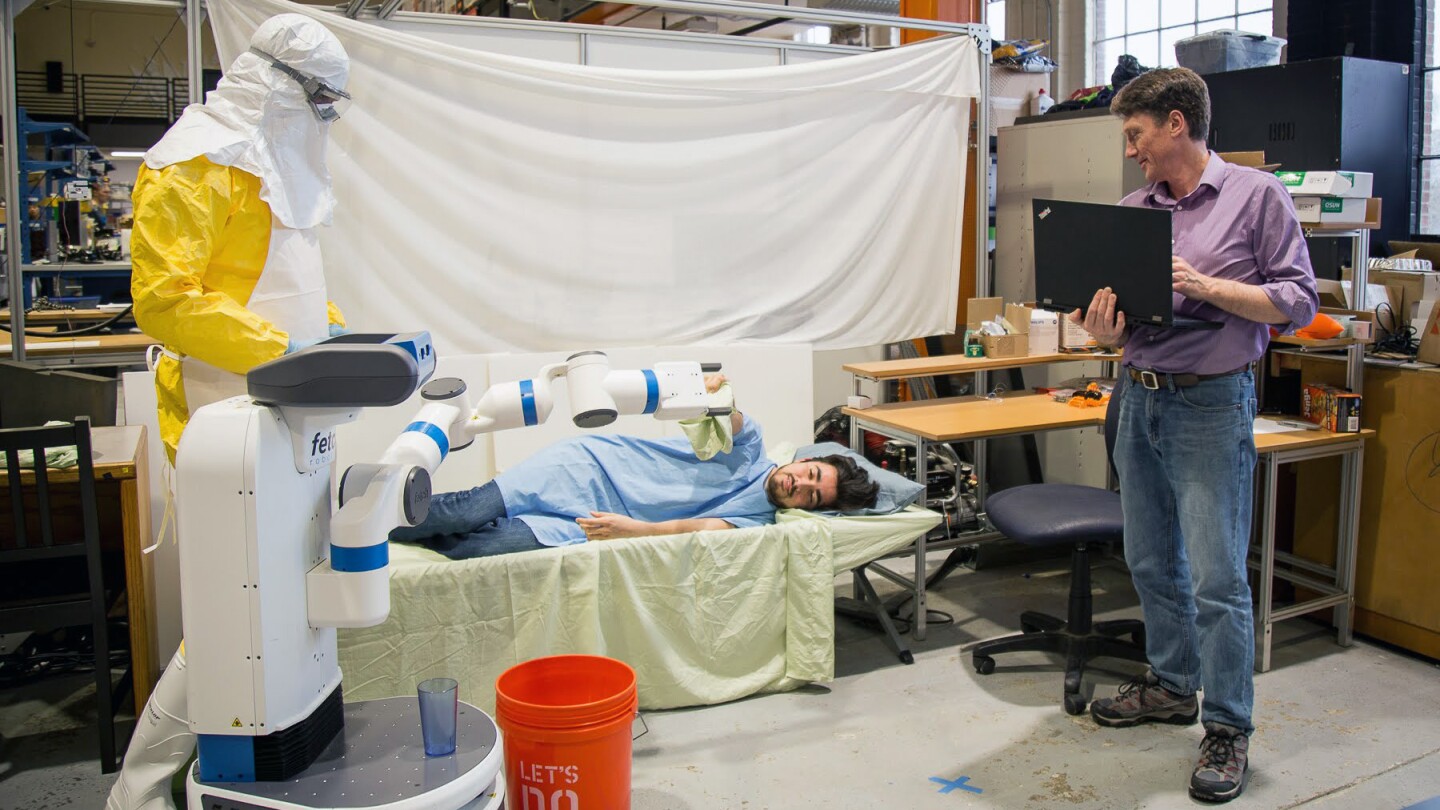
(1004, 111)
(1254, 160)
(979, 310)
(1430, 338)
(1327, 184)
(1074, 337)
(1334, 409)
(1407, 290)
(1429, 251)
(1012, 91)
(1332, 293)
(1044, 332)
(1420, 312)
(1332, 210)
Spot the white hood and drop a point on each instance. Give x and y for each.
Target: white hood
(258, 120)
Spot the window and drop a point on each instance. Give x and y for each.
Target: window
(1428, 138)
(1148, 29)
(995, 16)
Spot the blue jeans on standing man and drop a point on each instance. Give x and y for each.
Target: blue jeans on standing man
(1186, 461)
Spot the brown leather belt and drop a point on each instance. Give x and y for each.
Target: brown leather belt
(1155, 380)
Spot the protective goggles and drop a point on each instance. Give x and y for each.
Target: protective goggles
(326, 100)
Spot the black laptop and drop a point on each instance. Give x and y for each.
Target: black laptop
(1082, 247)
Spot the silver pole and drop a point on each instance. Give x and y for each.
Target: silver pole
(194, 57)
(982, 166)
(982, 247)
(13, 200)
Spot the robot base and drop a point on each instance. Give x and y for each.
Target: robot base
(378, 762)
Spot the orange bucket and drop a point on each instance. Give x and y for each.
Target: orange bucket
(566, 724)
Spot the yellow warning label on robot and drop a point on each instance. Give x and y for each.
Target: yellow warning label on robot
(235, 723)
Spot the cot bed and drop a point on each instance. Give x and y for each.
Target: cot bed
(703, 618)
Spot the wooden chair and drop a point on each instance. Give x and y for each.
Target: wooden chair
(57, 536)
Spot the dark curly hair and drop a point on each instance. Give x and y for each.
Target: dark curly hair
(853, 488)
(1158, 92)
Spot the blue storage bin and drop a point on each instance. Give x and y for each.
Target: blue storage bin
(1219, 51)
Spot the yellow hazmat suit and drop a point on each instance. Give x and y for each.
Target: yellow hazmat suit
(199, 247)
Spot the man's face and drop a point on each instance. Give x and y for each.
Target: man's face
(1149, 142)
(802, 485)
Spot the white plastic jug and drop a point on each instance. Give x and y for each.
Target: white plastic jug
(1042, 103)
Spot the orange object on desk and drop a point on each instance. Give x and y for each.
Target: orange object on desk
(1091, 397)
(1323, 327)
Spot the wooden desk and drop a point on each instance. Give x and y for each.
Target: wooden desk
(67, 317)
(975, 418)
(97, 350)
(953, 419)
(967, 418)
(959, 364)
(121, 474)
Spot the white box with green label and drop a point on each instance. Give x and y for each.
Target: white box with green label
(1330, 210)
(1327, 184)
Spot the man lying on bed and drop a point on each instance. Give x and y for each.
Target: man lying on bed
(602, 487)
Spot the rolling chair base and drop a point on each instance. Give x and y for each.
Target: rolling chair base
(1046, 633)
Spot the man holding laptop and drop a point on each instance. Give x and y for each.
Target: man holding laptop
(1185, 450)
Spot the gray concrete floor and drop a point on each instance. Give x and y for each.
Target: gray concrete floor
(1338, 728)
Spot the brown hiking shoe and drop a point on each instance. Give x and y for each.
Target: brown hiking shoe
(1224, 760)
(1144, 700)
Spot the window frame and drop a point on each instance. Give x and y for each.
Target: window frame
(1426, 52)
(1100, 76)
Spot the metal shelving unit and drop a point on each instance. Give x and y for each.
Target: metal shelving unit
(14, 158)
(1335, 585)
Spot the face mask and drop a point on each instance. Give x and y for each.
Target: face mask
(327, 101)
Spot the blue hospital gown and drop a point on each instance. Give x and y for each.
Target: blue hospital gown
(652, 480)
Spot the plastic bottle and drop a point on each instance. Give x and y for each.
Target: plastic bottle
(1042, 103)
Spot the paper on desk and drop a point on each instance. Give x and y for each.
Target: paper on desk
(1266, 424)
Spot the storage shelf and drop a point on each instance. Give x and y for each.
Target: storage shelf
(959, 364)
(1312, 229)
(1313, 343)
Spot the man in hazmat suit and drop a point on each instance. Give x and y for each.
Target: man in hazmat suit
(227, 273)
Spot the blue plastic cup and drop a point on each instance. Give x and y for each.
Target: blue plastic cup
(439, 707)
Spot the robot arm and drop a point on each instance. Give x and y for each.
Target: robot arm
(597, 393)
(353, 590)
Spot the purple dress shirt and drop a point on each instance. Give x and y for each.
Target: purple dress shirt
(1238, 224)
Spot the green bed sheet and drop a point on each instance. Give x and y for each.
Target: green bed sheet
(703, 618)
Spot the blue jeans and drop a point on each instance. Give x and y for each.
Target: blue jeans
(1186, 461)
(469, 524)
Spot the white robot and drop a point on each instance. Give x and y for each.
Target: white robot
(268, 572)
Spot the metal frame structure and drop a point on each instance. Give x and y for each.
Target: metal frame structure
(11, 135)
(194, 15)
(15, 277)
(1335, 585)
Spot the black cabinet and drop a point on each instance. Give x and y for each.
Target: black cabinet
(1337, 113)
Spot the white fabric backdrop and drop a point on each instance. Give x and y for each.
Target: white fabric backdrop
(510, 204)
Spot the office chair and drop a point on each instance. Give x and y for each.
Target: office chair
(1081, 517)
(57, 536)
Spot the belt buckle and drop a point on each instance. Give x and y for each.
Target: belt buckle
(1150, 380)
